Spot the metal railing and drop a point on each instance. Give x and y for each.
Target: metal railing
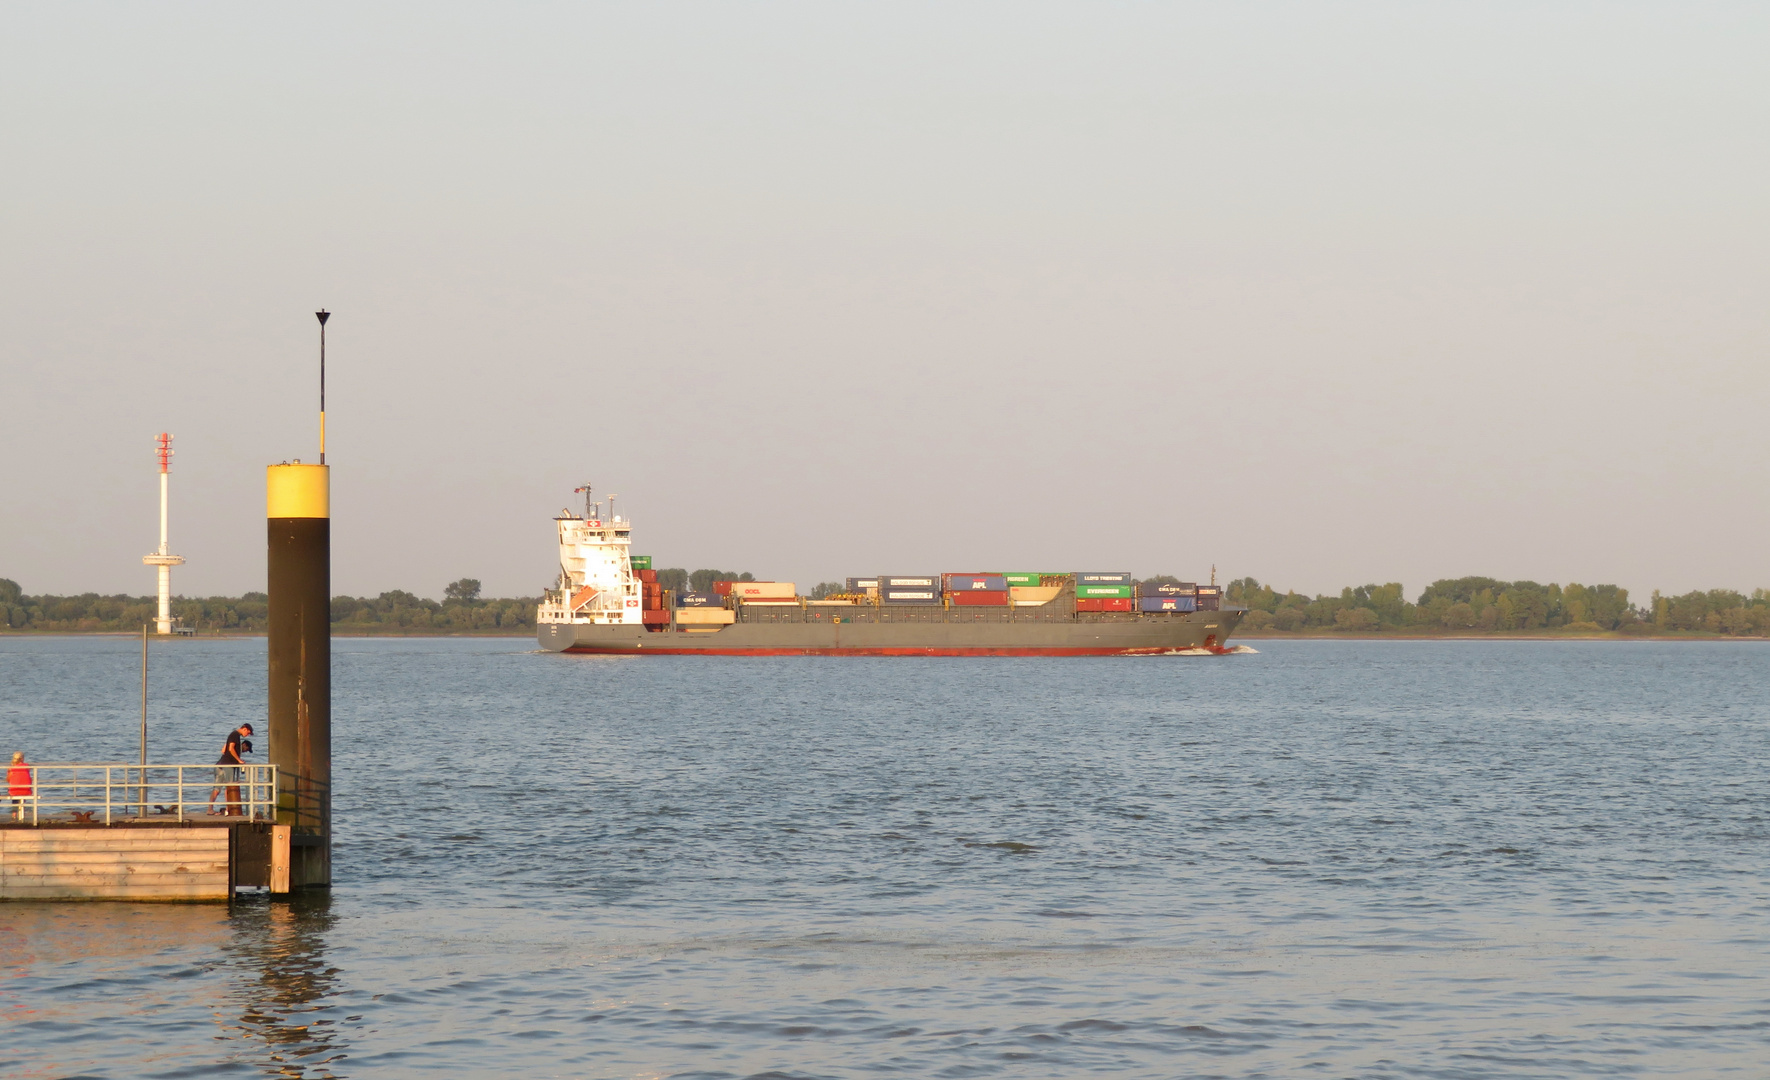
(82, 791)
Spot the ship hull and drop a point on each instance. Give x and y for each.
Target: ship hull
(1129, 635)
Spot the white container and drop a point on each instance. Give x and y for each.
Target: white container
(705, 616)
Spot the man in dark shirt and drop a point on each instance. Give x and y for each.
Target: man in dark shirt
(227, 770)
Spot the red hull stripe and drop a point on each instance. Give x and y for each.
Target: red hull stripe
(931, 651)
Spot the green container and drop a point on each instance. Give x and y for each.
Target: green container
(1023, 580)
(1103, 592)
(640, 562)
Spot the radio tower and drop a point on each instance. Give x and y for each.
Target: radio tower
(163, 558)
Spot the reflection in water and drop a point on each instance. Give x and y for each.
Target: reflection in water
(284, 999)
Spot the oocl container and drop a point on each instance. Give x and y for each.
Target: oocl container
(976, 583)
(1103, 592)
(909, 596)
(1116, 604)
(1103, 579)
(1167, 603)
(763, 590)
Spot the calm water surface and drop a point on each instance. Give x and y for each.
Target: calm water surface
(1337, 859)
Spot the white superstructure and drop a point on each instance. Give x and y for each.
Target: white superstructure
(163, 558)
(596, 579)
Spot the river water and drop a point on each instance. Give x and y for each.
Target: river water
(1336, 859)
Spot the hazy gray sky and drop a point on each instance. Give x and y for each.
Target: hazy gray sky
(1322, 293)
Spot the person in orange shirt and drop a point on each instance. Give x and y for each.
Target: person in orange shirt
(18, 784)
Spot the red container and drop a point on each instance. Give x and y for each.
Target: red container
(979, 598)
(723, 588)
(1118, 604)
(654, 618)
(650, 577)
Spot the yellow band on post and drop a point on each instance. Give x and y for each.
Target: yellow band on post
(297, 491)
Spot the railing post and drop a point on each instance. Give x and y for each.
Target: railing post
(181, 793)
(107, 794)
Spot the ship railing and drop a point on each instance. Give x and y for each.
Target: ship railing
(83, 791)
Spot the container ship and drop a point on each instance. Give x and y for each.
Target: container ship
(608, 600)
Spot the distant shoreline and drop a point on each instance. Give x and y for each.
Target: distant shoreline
(1264, 635)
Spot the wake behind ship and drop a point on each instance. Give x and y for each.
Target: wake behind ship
(609, 601)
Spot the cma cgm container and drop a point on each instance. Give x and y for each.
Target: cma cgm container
(976, 583)
(979, 598)
(1166, 588)
(1103, 579)
(1115, 604)
(1103, 592)
(1167, 603)
(699, 599)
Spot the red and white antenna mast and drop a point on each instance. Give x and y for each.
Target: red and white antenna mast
(163, 558)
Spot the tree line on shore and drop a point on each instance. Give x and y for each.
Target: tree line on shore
(461, 610)
(1488, 605)
(1454, 606)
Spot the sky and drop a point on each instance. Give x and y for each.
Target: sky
(1323, 293)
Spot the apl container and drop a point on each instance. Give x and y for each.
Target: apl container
(699, 599)
(924, 581)
(1166, 588)
(1119, 604)
(1103, 592)
(1103, 579)
(976, 583)
(1167, 603)
(979, 598)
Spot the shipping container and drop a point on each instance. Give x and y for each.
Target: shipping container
(1103, 592)
(1103, 579)
(1210, 603)
(763, 590)
(1023, 578)
(770, 601)
(650, 577)
(699, 599)
(1116, 604)
(1166, 588)
(861, 584)
(654, 617)
(640, 562)
(979, 598)
(909, 596)
(705, 616)
(976, 582)
(1210, 590)
(925, 581)
(1167, 603)
(722, 588)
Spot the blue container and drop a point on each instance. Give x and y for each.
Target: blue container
(1167, 603)
(699, 599)
(910, 581)
(1166, 588)
(1103, 579)
(977, 582)
(861, 584)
